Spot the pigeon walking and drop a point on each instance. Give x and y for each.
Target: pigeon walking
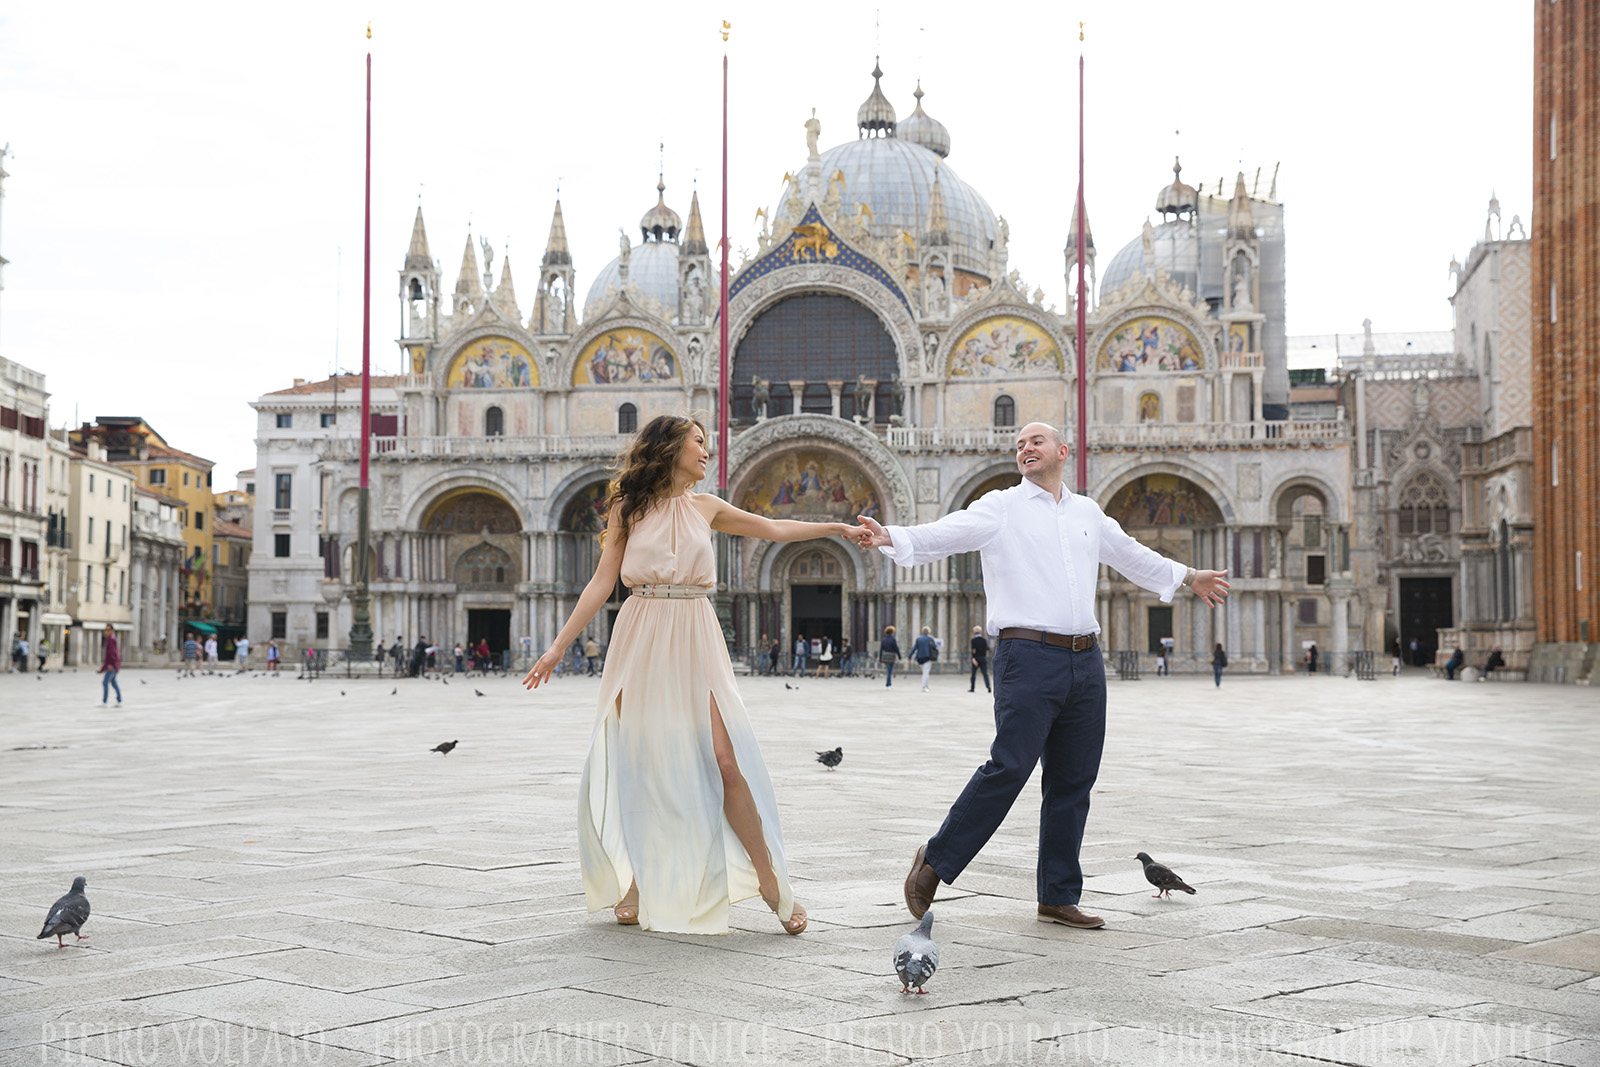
(832, 759)
(916, 957)
(395, 691)
(477, 692)
(1162, 877)
(68, 914)
(444, 747)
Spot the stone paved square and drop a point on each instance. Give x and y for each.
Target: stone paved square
(1396, 872)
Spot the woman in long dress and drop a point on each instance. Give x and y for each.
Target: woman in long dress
(676, 814)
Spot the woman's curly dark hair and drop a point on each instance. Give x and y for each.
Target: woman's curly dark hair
(644, 470)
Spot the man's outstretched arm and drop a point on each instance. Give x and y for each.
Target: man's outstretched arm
(967, 530)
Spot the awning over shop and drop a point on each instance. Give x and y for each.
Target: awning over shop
(55, 618)
(203, 627)
(96, 624)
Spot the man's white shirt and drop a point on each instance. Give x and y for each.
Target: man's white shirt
(1041, 557)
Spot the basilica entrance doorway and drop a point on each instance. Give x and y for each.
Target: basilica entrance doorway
(1425, 609)
(489, 624)
(815, 610)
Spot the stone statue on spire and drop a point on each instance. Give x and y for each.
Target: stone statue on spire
(813, 132)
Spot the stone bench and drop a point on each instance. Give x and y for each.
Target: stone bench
(1504, 674)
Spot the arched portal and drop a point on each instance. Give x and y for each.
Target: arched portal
(808, 341)
(472, 538)
(1180, 520)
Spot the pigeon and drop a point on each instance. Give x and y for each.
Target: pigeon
(477, 692)
(68, 914)
(143, 682)
(341, 692)
(1163, 878)
(446, 681)
(444, 748)
(916, 957)
(395, 691)
(832, 759)
(786, 685)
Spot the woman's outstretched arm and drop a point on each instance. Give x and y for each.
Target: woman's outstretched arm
(595, 595)
(729, 519)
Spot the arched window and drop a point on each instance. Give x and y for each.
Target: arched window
(627, 419)
(494, 422)
(815, 338)
(1424, 506)
(1005, 411)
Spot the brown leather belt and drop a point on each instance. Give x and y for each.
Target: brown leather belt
(1076, 642)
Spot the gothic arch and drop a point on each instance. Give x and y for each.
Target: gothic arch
(485, 325)
(774, 562)
(430, 492)
(753, 447)
(956, 498)
(1005, 305)
(764, 292)
(1204, 333)
(568, 488)
(1283, 492)
(627, 315)
(1219, 496)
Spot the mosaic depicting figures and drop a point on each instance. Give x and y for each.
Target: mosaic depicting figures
(1003, 345)
(492, 363)
(1238, 337)
(1150, 344)
(1163, 500)
(586, 512)
(628, 355)
(811, 485)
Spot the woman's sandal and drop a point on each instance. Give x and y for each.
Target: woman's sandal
(796, 923)
(627, 914)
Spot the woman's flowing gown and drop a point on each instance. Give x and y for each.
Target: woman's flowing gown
(650, 802)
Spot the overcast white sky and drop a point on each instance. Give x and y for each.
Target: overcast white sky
(183, 178)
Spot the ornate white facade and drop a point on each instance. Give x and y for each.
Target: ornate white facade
(883, 356)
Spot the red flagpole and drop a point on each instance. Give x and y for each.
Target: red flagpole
(724, 397)
(366, 292)
(1082, 435)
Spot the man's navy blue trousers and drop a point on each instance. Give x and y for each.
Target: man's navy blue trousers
(1050, 705)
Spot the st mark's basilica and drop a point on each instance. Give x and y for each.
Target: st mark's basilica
(884, 354)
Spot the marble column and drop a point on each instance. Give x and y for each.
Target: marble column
(1258, 609)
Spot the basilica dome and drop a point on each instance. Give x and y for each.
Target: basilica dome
(652, 263)
(1175, 245)
(894, 175)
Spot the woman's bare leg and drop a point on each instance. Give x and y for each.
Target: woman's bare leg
(740, 808)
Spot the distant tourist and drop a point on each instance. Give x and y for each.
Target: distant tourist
(1219, 663)
(241, 653)
(824, 658)
(272, 655)
(1495, 662)
(591, 653)
(191, 654)
(888, 655)
(110, 664)
(1454, 663)
(980, 661)
(925, 649)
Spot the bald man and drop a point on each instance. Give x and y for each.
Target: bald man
(1041, 546)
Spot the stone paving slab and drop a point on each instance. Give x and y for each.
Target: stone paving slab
(1395, 872)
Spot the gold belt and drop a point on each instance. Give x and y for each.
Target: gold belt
(671, 592)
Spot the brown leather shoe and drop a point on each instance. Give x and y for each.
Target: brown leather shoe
(1069, 915)
(921, 884)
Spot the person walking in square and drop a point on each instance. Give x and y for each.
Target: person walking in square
(272, 655)
(925, 649)
(888, 655)
(1042, 546)
(110, 664)
(980, 661)
(1219, 662)
(485, 657)
(241, 653)
(677, 817)
(191, 654)
(591, 653)
(211, 653)
(44, 652)
(22, 653)
(801, 649)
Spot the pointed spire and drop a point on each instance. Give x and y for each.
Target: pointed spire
(1241, 224)
(469, 283)
(417, 257)
(876, 115)
(938, 221)
(556, 253)
(505, 296)
(694, 242)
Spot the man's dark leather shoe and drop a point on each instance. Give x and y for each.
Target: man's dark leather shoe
(1065, 914)
(921, 884)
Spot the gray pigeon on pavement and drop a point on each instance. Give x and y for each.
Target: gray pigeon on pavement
(1161, 876)
(444, 747)
(916, 957)
(67, 915)
(831, 759)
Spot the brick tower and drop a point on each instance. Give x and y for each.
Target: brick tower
(1566, 339)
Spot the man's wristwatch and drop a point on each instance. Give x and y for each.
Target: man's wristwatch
(1188, 579)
